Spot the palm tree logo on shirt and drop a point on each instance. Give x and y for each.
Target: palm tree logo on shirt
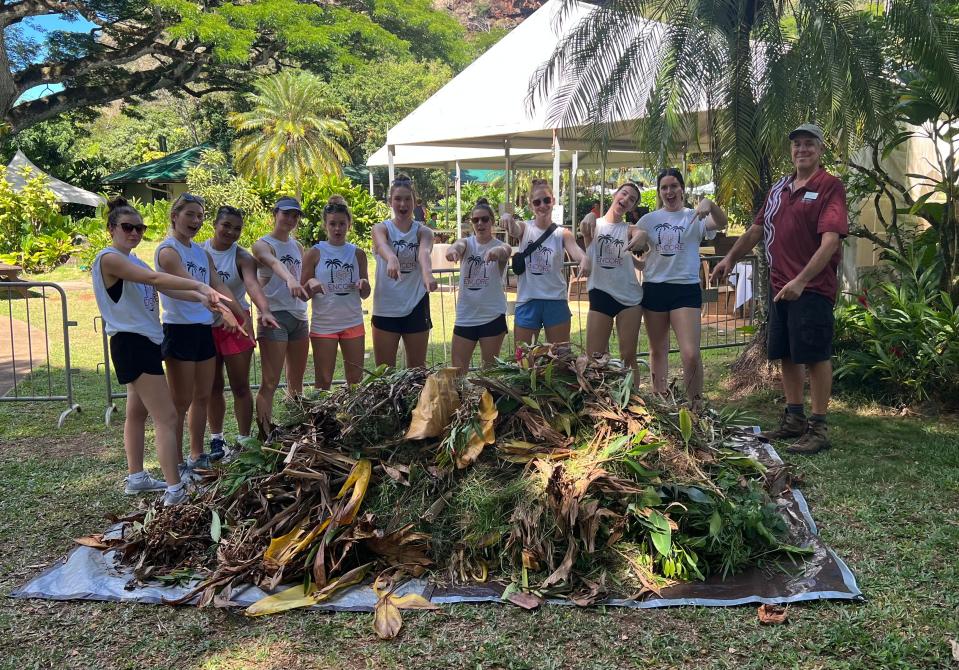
(607, 245)
(539, 260)
(668, 238)
(292, 264)
(406, 254)
(473, 281)
(340, 275)
(198, 272)
(149, 297)
(224, 276)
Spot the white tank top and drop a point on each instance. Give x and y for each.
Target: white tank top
(340, 307)
(197, 264)
(612, 266)
(395, 298)
(137, 311)
(544, 278)
(229, 273)
(276, 291)
(481, 298)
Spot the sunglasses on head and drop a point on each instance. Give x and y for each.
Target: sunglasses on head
(484, 218)
(229, 210)
(336, 207)
(189, 197)
(542, 201)
(130, 227)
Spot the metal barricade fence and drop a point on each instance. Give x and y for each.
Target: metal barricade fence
(27, 370)
(722, 327)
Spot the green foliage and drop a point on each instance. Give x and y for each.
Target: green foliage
(293, 130)
(469, 194)
(366, 210)
(42, 252)
(34, 211)
(899, 342)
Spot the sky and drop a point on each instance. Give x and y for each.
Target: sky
(36, 27)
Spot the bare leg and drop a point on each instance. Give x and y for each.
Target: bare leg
(202, 383)
(525, 335)
(462, 353)
(272, 356)
(793, 381)
(385, 344)
(627, 328)
(686, 324)
(353, 350)
(599, 328)
(820, 385)
(181, 375)
(657, 328)
(490, 348)
(238, 370)
(324, 361)
(134, 426)
(416, 345)
(154, 394)
(296, 354)
(216, 407)
(558, 332)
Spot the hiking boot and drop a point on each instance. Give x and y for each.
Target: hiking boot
(143, 482)
(217, 448)
(814, 441)
(174, 497)
(791, 425)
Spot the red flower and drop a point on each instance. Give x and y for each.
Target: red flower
(863, 300)
(897, 351)
(519, 354)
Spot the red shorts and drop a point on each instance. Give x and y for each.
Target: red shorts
(348, 334)
(228, 344)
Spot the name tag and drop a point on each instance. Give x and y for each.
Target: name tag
(810, 195)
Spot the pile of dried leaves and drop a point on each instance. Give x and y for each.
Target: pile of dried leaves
(550, 474)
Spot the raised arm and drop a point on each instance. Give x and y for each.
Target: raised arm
(308, 273)
(588, 226)
(456, 250)
(569, 243)
(514, 228)
(425, 257)
(382, 246)
(717, 219)
(363, 285)
(500, 253)
(115, 266)
(743, 245)
(247, 267)
(265, 256)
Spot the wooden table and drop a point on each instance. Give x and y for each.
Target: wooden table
(10, 274)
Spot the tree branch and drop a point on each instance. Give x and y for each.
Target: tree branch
(18, 11)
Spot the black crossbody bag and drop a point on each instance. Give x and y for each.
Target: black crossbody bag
(518, 262)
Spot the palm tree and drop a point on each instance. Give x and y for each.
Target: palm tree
(333, 264)
(292, 130)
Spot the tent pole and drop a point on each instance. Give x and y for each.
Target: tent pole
(371, 182)
(459, 205)
(572, 191)
(391, 157)
(446, 202)
(556, 167)
(507, 206)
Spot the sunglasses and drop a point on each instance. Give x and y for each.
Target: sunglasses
(130, 227)
(189, 197)
(477, 219)
(336, 207)
(542, 201)
(229, 210)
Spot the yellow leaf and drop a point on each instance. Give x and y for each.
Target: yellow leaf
(412, 601)
(387, 620)
(296, 596)
(437, 402)
(359, 479)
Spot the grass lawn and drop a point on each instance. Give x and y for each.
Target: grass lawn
(886, 499)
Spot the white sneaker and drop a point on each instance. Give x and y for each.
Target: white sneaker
(143, 483)
(187, 475)
(174, 497)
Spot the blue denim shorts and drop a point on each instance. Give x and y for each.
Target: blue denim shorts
(540, 313)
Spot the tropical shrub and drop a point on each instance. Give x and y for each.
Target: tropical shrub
(366, 210)
(898, 340)
(42, 252)
(32, 211)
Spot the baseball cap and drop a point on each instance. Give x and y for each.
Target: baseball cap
(809, 129)
(288, 204)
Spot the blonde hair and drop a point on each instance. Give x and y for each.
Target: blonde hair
(337, 203)
(402, 180)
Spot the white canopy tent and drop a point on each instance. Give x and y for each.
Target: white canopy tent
(21, 168)
(503, 74)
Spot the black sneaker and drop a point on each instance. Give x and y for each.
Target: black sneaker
(217, 448)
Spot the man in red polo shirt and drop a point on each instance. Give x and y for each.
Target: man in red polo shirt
(802, 223)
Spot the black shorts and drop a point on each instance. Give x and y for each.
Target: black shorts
(800, 330)
(415, 322)
(188, 342)
(134, 355)
(665, 297)
(602, 302)
(490, 329)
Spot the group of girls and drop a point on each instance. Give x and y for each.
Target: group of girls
(206, 291)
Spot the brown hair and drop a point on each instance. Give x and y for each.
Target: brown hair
(539, 182)
(117, 208)
(630, 184)
(337, 203)
(402, 180)
(184, 199)
(483, 204)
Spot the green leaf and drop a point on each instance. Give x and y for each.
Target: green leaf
(529, 402)
(685, 424)
(715, 524)
(662, 534)
(216, 527)
(532, 379)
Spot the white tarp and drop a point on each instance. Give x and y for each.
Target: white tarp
(414, 156)
(17, 176)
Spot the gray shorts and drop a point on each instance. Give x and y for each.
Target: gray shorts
(292, 328)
